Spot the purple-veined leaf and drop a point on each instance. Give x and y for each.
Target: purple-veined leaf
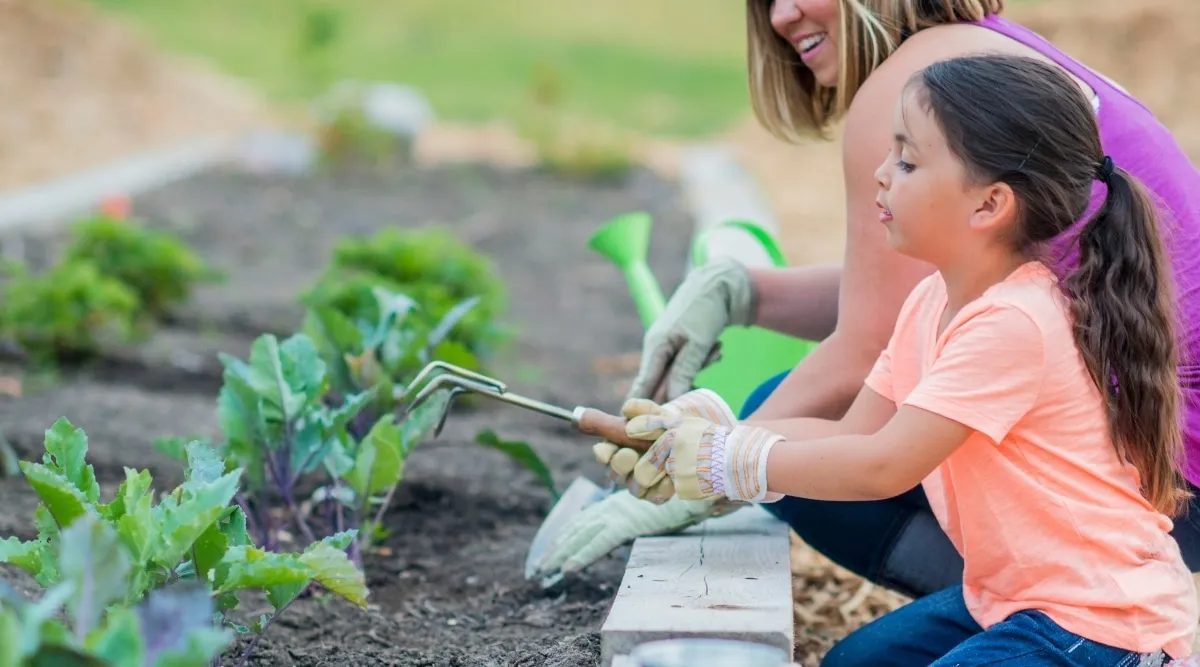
(170, 615)
(92, 558)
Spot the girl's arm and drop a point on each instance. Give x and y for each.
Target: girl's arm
(875, 279)
(868, 414)
(885, 464)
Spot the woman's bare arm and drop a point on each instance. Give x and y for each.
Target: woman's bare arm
(798, 301)
(875, 279)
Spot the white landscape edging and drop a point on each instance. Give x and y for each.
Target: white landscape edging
(731, 576)
(59, 199)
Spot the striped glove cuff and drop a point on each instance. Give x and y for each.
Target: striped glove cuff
(739, 463)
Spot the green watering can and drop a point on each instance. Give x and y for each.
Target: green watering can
(749, 355)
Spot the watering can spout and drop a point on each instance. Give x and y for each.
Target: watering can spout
(625, 241)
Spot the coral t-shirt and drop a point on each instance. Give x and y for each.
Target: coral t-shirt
(1043, 511)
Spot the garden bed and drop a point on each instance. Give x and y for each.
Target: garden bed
(447, 587)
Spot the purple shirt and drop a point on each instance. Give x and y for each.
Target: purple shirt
(1142, 146)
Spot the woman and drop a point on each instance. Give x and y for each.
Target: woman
(811, 63)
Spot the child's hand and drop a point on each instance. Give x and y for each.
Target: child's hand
(703, 460)
(621, 461)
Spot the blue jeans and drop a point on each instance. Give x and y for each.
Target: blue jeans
(938, 631)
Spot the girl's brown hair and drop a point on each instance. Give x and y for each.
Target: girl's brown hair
(1025, 123)
(786, 98)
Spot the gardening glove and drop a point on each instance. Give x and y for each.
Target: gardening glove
(621, 460)
(705, 460)
(712, 297)
(618, 519)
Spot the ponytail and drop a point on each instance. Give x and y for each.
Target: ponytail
(1124, 327)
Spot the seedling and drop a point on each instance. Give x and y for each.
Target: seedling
(321, 409)
(372, 351)
(145, 582)
(289, 417)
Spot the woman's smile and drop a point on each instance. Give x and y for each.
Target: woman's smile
(811, 45)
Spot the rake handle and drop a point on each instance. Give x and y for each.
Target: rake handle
(607, 427)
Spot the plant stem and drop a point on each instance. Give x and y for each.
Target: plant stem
(301, 523)
(254, 642)
(329, 518)
(387, 500)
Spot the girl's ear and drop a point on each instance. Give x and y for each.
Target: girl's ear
(997, 208)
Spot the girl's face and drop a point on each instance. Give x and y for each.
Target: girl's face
(811, 27)
(925, 199)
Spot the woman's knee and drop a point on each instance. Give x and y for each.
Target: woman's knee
(760, 394)
(853, 535)
(855, 651)
(896, 543)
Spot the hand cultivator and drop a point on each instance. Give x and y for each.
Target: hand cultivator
(461, 381)
(581, 493)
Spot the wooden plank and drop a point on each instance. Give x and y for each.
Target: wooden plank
(727, 577)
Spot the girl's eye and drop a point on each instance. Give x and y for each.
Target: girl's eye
(904, 166)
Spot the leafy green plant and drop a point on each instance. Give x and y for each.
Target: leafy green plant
(318, 425)
(284, 427)
(160, 269)
(128, 565)
(66, 312)
(378, 351)
(171, 627)
(432, 268)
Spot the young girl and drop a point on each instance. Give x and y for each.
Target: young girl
(1041, 417)
(836, 68)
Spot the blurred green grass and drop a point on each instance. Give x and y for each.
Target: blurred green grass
(666, 67)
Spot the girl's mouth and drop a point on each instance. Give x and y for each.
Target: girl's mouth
(885, 215)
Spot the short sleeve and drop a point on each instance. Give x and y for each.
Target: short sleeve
(879, 380)
(989, 372)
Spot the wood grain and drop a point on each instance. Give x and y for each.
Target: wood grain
(726, 577)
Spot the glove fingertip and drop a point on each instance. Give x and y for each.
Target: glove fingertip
(624, 461)
(636, 407)
(604, 452)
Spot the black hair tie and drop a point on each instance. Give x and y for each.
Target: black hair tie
(1104, 170)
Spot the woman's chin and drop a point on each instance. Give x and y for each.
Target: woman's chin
(826, 76)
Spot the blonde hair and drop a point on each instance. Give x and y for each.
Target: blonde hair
(787, 99)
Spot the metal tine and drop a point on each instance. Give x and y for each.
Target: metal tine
(458, 371)
(446, 411)
(459, 384)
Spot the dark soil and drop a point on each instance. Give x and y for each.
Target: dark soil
(448, 588)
